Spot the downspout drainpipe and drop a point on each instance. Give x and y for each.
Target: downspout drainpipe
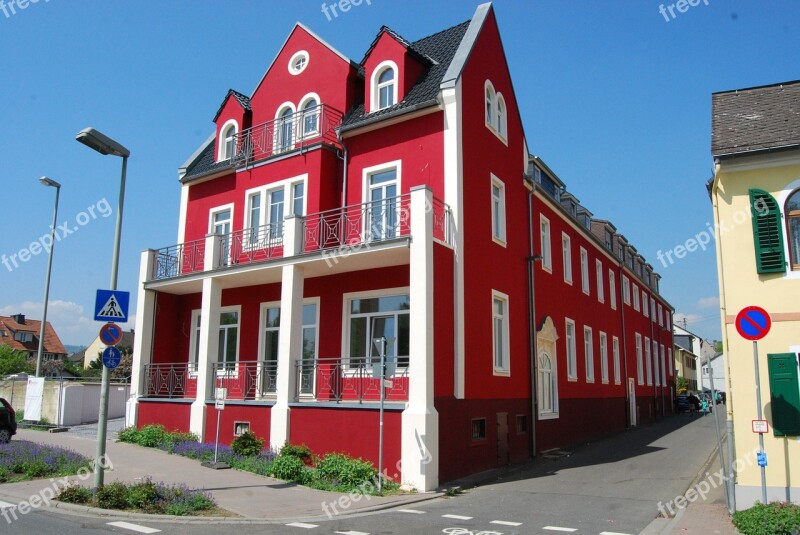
(621, 301)
(344, 171)
(532, 315)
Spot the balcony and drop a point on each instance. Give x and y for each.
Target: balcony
(347, 380)
(247, 380)
(350, 228)
(296, 131)
(176, 380)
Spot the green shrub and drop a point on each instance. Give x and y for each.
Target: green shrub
(75, 494)
(113, 496)
(35, 468)
(129, 435)
(343, 471)
(289, 469)
(143, 495)
(773, 518)
(152, 436)
(247, 444)
(302, 452)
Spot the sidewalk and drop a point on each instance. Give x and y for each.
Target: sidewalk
(706, 517)
(250, 496)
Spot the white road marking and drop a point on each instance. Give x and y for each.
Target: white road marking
(6, 505)
(303, 525)
(557, 528)
(613, 533)
(457, 517)
(134, 527)
(412, 511)
(351, 532)
(506, 523)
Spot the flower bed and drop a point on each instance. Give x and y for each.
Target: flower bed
(21, 460)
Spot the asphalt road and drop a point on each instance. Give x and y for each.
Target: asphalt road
(612, 487)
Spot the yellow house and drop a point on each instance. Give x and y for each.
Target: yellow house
(755, 193)
(686, 366)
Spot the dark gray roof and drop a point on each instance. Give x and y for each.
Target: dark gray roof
(205, 163)
(755, 119)
(243, 100)
(440, 48)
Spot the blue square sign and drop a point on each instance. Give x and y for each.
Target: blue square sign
(111, 305)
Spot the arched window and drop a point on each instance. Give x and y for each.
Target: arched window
(386, 88)
(793, 228)
(310, 117)
(502, 119)
(284, 130)
(546, 386)
(489, 99)
(227, 143)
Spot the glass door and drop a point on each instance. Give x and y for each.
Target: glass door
(222, 225)
(382, 209)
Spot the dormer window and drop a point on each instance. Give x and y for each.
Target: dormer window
(227, 144)
(386, 88)
(383, 87)
(298, 62)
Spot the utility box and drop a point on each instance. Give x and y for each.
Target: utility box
(784, 394)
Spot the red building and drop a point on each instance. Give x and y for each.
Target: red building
(345, 209)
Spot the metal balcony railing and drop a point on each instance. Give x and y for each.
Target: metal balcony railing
(252, 245)
(181, 259)
(336, 379)
(171, 380)
(247, 380)
(298, 130)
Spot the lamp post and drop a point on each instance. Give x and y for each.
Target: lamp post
(105, 145)
(53, 184)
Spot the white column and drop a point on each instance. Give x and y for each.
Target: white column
(209, 338)
(420, 421)
(290, 334)
(143, 341)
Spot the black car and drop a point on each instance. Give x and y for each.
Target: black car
(682, 403)
(8, 421)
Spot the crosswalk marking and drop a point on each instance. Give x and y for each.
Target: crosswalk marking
(558, 528)
(134, 527)
(457, 517)
(411, 511)
(303, 525)
(506, 523)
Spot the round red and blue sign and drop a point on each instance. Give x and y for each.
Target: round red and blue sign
(753, 323)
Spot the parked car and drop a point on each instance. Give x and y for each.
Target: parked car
(22, 376)
(8, 421)
(682, 403)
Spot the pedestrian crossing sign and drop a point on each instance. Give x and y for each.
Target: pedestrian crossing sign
(111, 305)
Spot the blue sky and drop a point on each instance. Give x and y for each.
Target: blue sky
(614, 97)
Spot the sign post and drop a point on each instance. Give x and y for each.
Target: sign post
(219, 403)
(753, 323)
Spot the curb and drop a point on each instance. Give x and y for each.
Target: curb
(96, 512)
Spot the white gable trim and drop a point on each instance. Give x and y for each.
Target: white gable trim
(465, 48)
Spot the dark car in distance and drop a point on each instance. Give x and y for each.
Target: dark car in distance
(8, 421)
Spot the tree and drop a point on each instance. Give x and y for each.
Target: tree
(13, 361)
(681, 384)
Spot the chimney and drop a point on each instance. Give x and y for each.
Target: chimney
(19, 318)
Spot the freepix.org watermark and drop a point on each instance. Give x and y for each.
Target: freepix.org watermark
(44, 496)
(702, 239)
(681, 6)
(10, 7)
(99, 209)
(343, 6)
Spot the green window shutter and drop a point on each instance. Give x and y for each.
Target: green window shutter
(784, 393)
(767, 232)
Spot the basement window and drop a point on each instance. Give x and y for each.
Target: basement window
(479, 429)
(240, 428)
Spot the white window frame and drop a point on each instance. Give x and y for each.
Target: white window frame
(616, 356)
(639, 360)
(571, 350)
(223, 152)
(501, 111)
(498, 203)
(603, 340)
(547, 246)
(553, 413)
(277, 145)
(601, 291)
(194, 342)
(660, 315)
(297, 55)
(375, 89)
(366, 173)
(626, 290)
(663, 365)
(585, 271)
(316, 302)
(287, 184)
(648, 361)
(505, 359)
(262, 335)
(645, 304)
(671, 362)
(612, 289)
(238, 310)
(652, 309)
(301, 109)
(489, 104)
(636, 297)
(566, 256)
(588, 353)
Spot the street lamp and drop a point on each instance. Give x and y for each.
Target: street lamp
(53, 184)
(105, 145)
